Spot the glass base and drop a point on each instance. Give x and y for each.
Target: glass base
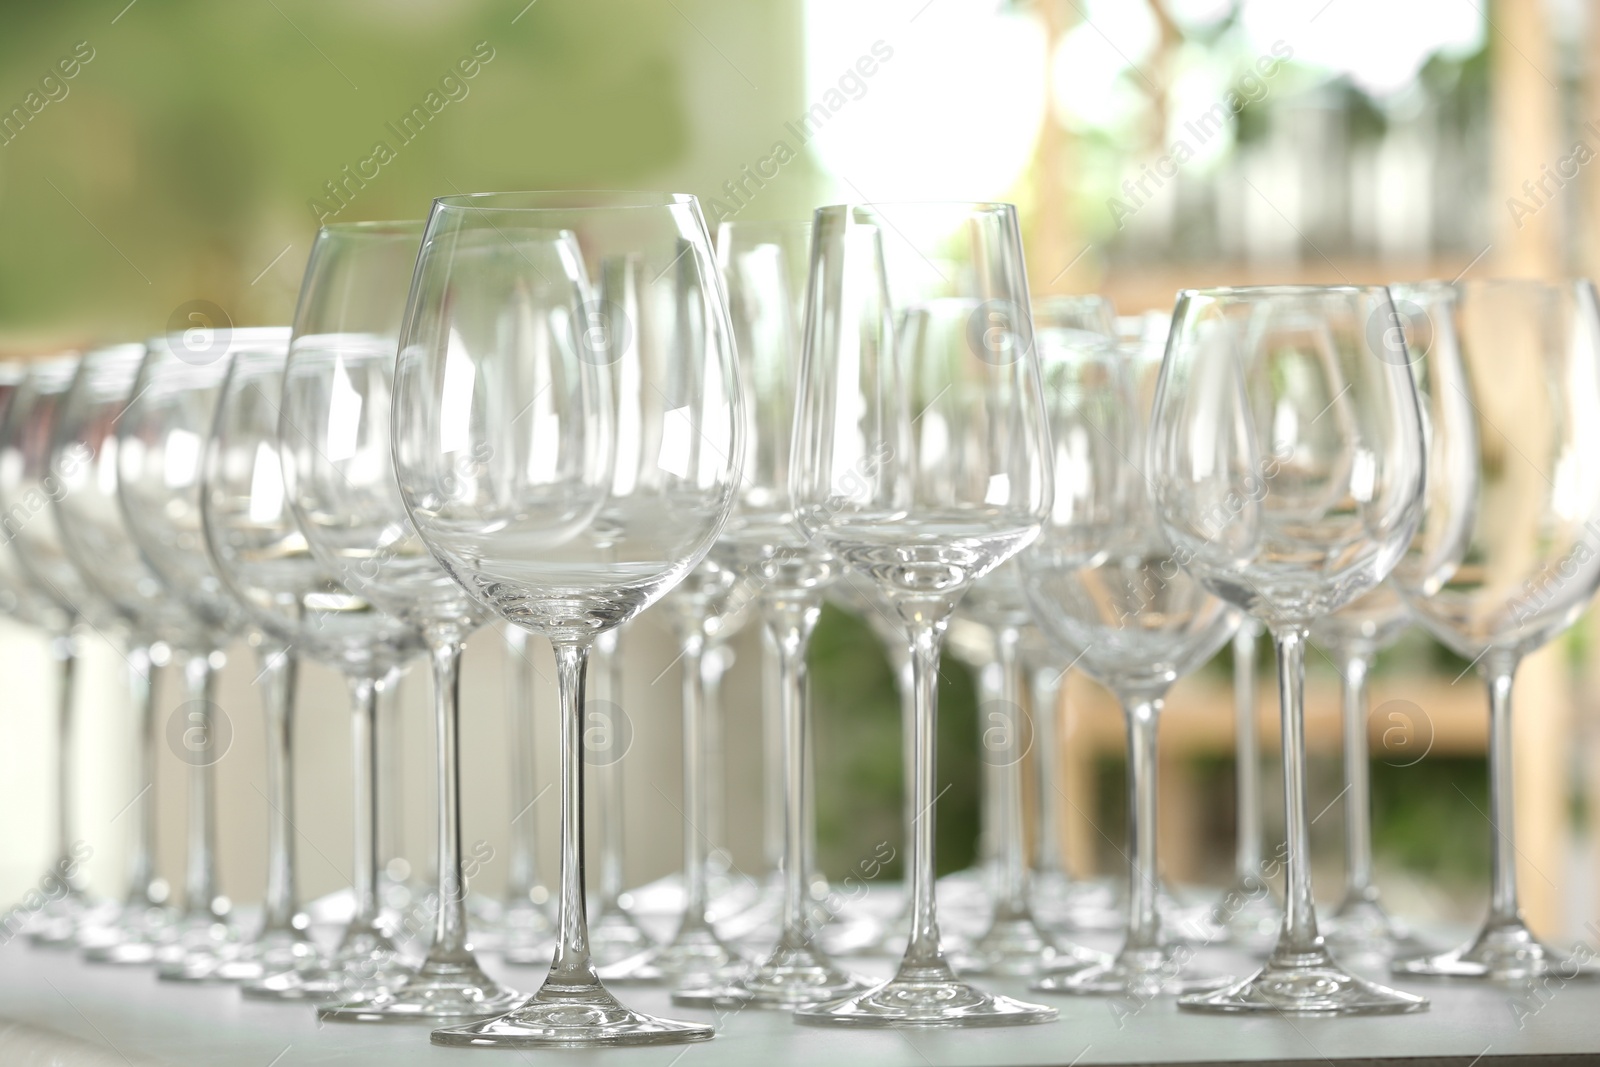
(1018, 948)
(521, 927)
(614, 936)
(1362, 930)
(57, 923)
(365, 963)
(199, 945)
(1140, 974)
(1251, 915)
(925, 997)
(793, 976)
(1064, 903)
(1305, 983)
(132, 938)
(1194, 923)
(438, 991)
(696, 957)
(1502, 951)
(571, 1018)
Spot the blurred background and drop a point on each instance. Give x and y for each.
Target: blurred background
(160, 161)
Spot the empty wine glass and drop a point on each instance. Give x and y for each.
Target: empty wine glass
(1507, 556)
(1014, 944)
(1287, 455)
(1104, 585)
(29, 483)
(340, 477)
(1353, 636)
(763, 267)
(262, 558)
(564, 497)
(920, 459)
(95, 536)
(160, 444)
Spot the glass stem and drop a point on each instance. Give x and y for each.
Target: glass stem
(713, 667)
(279, 671)
(790, 619)
(450, 928)
(391, 793)
(522, 872)
(571, 970)
(142, 881)
(694, 785)
(608, 689)
(201, 896)
(1357, 779)
(772, 827)
(1144, 877)
(1247, 756)
(923, 957)
(65, 649)
(1299, 934)
(1504, 909)
(1046, 698)
(1010, 846)
(364, 768)
(991, 685)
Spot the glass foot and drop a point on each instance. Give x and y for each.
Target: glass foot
(1250, 914)
(365, 963)
(1362, 930)
(1305, 983)
(573, 1018)
(132, 938)
(438, 991)
(57, 923)
(614, 936)
(1141, 974)
(1017, 948)
(1502, 951)
(521, 927)
(929, 996)
(1067, 904)
(793, 976)
(694, 958)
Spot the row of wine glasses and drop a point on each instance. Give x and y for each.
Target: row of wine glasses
(559, 409)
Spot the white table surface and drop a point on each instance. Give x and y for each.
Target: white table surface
(57, 1010)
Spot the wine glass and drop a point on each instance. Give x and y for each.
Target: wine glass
(1287, 455)
(263, 560)
(340, 478)
(1353, 636)
(1105, 587)
(921, 460)
(29, 482)
(160, 443)
(763, 267)
(1014, 943)
(562, 493)
(1506, 558)
(95, 536)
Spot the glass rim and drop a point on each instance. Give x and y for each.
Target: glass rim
(562, 200)
(376, 227)
(973, 207)
(1221, 291)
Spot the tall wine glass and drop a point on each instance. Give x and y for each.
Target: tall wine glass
(95, 537)
(1508, 556)
(29, 483)
(262, 559)
(564, 498)
(920, 459)
(340, 477)
(1105, 587)
(763, 267)
(1353, 636)
(160, 444)
(1287, 456)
